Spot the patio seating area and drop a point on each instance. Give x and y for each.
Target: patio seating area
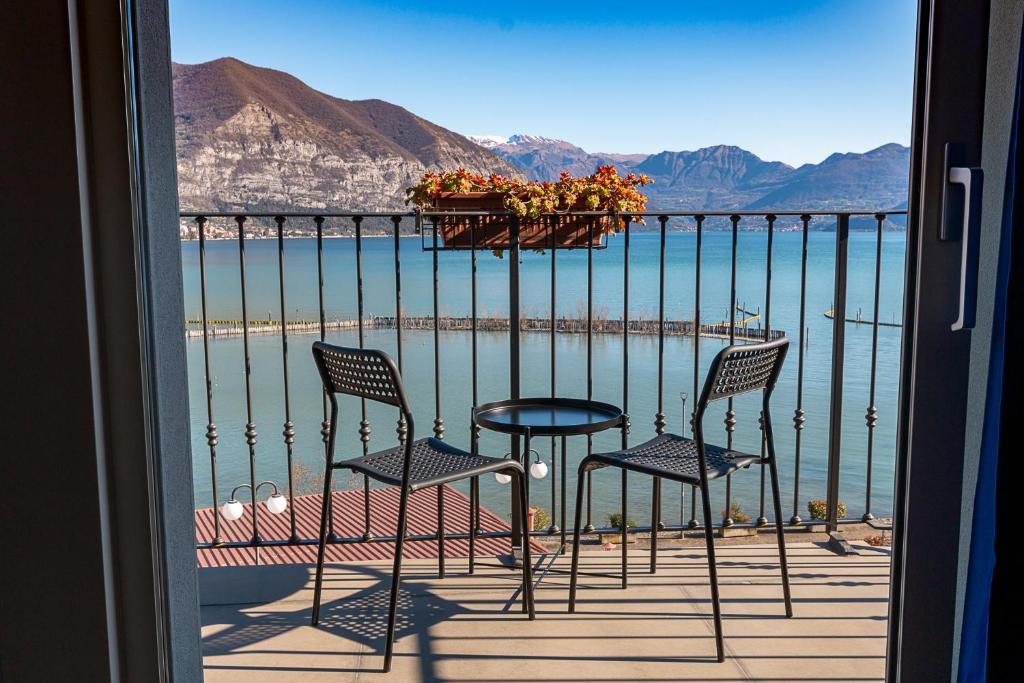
(256, 620)
(699, 617)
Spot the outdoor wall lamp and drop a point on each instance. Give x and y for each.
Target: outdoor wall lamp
(276, 502)
(539, 469)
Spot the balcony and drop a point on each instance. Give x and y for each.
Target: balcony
(633, 322)
(469, 628)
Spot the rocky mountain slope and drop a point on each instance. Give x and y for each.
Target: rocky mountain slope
(874, 179)
(723, 176)
(258, 140)
(255, 139)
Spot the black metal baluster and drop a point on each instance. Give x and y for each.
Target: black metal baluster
(475, 435)
(682, 487)
(589, 527)
(761, 519)
(798, 413)
(211, 427)
(250, 426)
(563, 501)
(835, 417)
(625, 381)
(401, 429)
(325, 424)
(364, 424)
(730, 414)
(659, 417)
(696, 355)
(289, 426)
(520, 492)
(553, 527)
(438, 421)
(474, 513)
(627, 220)
(871, 416)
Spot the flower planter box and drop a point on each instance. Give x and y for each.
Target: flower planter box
(493, 232)
(617, 538)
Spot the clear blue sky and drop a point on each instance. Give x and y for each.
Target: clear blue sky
(790, 81)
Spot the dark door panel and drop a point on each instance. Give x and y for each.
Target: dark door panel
(948, 113)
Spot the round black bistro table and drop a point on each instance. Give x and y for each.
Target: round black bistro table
(547, 417)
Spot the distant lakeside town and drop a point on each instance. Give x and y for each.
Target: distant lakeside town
(225, 229)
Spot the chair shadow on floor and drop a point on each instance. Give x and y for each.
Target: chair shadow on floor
(253, 636)
(357, 619)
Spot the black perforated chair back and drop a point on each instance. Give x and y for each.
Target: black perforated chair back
(366, 373)
(744, 368)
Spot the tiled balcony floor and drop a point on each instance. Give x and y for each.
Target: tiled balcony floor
(464, 628)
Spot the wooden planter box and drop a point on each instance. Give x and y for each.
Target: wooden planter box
(492, 232)
(617, 538)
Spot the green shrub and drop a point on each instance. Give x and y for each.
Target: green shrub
(541, 519)
(736, 513)
(818, 509)
(615, 521)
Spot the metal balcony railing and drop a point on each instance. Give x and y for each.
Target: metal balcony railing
(588, 327)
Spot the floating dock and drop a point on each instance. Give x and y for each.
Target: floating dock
(565, 325)
(861, 321)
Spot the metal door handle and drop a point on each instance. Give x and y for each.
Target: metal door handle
(971, 179)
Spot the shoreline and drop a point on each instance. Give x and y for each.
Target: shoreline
(415, 235)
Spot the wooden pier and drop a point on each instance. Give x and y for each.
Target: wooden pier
(858, 320)
(563, 325)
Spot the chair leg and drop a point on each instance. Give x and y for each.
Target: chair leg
(623, 525)
(528, 606)
(473, 484)
(576, 541)
(655, 522)
(709, 537)
(321, 547)
(781, 536)
(440, 532)
(396, 577)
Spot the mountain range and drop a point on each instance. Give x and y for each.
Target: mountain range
(726, 176)
(258, 140)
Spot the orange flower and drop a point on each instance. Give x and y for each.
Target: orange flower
(605, 190)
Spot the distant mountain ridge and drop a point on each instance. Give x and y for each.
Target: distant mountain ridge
(726, 176)
(259, 140)
(541, 158)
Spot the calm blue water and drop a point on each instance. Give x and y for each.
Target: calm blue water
(379, 284)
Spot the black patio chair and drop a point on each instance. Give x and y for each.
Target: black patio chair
(735, 370)
(413, 465)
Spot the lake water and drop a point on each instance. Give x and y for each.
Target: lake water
(416, 266)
